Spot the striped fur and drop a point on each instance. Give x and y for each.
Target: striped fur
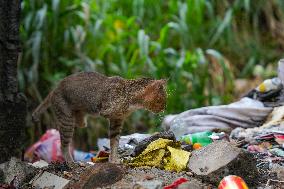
(111, 97)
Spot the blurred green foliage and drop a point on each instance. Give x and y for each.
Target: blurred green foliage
(200, 45)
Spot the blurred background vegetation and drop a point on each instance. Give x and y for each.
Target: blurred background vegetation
(209, 49)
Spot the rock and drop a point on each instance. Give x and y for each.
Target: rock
(40, 164)
(99, 175)
(219, 159)
(279, 170)
(17, 169)
(149, 176)
(48, 180)
(153, 184)
(192, 184)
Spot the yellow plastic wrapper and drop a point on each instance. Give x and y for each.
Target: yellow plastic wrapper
(178, 160)
(269, 84)
(162, 153)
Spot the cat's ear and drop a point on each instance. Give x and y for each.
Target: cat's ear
(163, 81)
(159, 83)
(150, 89)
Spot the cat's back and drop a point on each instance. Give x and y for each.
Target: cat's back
(81, 82)
(83, 77)
(81, 90)
(86, 76)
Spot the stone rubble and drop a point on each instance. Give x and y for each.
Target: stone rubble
(219, 159)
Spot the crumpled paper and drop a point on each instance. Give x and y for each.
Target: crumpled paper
(162, 153)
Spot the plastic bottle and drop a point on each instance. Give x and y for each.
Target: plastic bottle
(269, 84)
(202, 138)
(179, 128)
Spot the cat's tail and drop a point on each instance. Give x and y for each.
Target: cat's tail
(42, 107)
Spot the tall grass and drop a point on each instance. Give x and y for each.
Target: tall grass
(200, 45)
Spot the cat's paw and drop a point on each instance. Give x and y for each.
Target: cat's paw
(115, 161)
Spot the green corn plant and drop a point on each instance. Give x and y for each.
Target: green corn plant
(200, 46)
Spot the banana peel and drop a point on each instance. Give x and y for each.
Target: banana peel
(162, 153)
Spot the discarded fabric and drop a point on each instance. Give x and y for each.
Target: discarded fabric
(245, 113)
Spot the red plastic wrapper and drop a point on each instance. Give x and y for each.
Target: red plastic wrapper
(176, 183)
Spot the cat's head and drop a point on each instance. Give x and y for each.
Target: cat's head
(154, 96)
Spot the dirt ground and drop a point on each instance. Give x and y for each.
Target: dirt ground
(106, 175)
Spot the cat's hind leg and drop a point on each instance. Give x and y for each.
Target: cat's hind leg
(115, 126)
(65, 124)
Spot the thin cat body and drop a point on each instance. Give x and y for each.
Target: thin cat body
(93, 93)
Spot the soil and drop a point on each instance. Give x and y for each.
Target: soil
(129, 177)
(133, 176)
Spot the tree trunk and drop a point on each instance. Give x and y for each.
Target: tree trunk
(12, 104)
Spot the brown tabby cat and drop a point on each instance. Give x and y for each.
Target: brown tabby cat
(111, 97)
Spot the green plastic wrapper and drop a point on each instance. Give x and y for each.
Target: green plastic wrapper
(200, 137)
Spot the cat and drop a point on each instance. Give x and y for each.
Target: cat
(114, 98)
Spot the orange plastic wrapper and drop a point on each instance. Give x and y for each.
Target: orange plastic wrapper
(197, 146)
(102, 156)
(232, 182)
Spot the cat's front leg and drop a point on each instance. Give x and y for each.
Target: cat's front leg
(115, 126)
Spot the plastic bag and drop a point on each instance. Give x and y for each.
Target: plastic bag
(48, 148)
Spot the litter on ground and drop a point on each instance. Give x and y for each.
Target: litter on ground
(240, 145)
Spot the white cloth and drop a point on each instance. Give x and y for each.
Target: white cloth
(245, 113)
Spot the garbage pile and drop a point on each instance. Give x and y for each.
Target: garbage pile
(266, 141)
(240, 144)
